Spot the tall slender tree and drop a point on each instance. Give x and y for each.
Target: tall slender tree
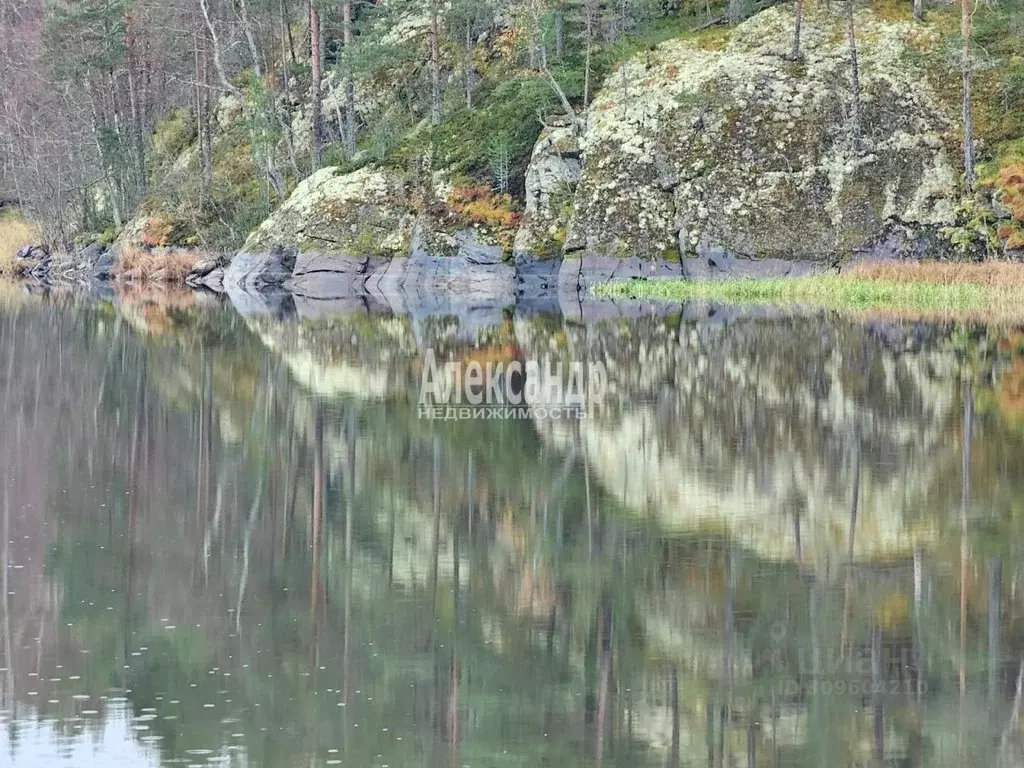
(435, 62)
(348, 38)
(316, 97)
(798, 20)
(851, 40)
(968, 115)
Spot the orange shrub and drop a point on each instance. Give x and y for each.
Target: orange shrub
(1011, 181)
(157, 232)
(480, 205)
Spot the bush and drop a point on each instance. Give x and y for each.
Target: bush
(480, 205)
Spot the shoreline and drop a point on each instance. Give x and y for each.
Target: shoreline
(584, 288)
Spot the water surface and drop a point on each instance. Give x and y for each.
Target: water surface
(791, 540)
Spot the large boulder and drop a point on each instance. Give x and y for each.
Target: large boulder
(98, 260)
(364, 213)
(34, 261)
(261, 272)
(550, 182)
(375, 231)
(735, 149)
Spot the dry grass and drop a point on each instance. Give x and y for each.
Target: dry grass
(170, 265)
(988, 273)
(15, 233)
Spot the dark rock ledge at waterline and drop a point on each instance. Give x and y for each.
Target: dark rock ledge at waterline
(478, 272)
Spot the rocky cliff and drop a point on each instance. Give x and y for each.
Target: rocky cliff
(718, 153)
(692, 149)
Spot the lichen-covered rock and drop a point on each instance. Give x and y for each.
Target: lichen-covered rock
(229, 110)
(364, 213)
(746, 151)
(551, 180)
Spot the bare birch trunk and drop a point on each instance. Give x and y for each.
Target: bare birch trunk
(851, 39)
(435, 64)
(798, 13)
(316, 99)
(965, 32)
(138, 134)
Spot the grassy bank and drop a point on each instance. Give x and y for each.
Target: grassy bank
(927, 288)
(15, 232)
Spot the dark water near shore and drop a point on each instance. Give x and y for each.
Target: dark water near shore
(790, 541)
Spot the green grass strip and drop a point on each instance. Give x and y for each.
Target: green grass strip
(832, 291)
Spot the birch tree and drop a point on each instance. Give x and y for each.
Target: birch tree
(966, 14)
(435, 62)
(851, 41)
(316, 98)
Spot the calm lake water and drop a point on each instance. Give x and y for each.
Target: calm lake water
(787, 541)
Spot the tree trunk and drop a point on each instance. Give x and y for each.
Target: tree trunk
(316, 106)
(734, 11)
(798, 12)
(851, 39)
(138, 134)
(559, 32)
(218, 61)
(250, 39)
(965, 32)
(435, 64)
(468, 64)
(349, 83)
(919, 10)
(286, 119)
(202, 95)
(588, 10)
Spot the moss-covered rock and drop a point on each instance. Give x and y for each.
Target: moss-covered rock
(364, 213)
(739, 147)
(551, 180)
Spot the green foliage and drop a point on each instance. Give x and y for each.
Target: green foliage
(84, 37)
(466, 142)
(975, 232)
(172, 135)
(385, 136)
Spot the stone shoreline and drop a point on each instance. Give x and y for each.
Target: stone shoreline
(469, 279)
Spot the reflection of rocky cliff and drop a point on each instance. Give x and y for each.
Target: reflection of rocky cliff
(743, 424)
(736, 424)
